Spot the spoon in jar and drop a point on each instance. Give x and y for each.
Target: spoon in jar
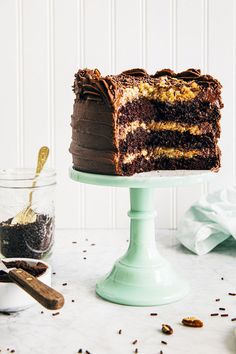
(27, 215)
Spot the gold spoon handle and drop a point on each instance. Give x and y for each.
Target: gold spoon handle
(42, 158)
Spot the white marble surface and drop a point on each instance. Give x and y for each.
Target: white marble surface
(91, 323)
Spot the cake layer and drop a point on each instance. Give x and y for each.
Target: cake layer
(142, 138)
(193, 112)
(196, 163)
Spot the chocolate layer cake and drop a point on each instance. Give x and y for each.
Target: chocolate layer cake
(135, 122)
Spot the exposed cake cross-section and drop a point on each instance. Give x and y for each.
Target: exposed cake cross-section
(135, 122)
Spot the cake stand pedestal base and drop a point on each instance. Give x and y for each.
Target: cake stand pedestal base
(142, 277)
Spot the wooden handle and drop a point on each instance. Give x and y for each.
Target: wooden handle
(41, 292)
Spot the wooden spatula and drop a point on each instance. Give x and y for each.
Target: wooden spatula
(44, 294)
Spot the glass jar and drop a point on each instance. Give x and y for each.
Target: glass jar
(33, 237)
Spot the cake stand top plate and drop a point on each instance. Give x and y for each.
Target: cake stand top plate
(144, 180)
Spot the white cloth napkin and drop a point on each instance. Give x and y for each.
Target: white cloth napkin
(209, 221)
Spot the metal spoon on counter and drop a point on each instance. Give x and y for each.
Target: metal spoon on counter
(44, 294)
(27, 215)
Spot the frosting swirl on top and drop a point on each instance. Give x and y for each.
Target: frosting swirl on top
(90, 84)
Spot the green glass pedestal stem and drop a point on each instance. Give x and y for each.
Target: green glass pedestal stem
(142, 249)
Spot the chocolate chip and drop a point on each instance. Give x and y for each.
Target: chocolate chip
(56, 313)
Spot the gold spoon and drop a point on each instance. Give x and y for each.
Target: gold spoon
(27, 215)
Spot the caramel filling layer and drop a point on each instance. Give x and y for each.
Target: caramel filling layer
(161, 152)
(159, 126)
(165, 90)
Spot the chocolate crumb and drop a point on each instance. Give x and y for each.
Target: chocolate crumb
(233, 319)
(31, 240)
(41, 312)
(222, 308)
(153, 314)
(222, 278)
(80, 351)
(12, 351)
(163, 342)
(85, 258)
(161, 352)
(93, 244)
(87, 352)
(56, 313)
(5, 313)
(232, 294)
(84, 250)
(54, 273)
(214, 314)
(64, 284)
(120, 331)
(224, 315)
(73, 300)
(135, 341)
(217, 300)
(136, 350)
(74, 241)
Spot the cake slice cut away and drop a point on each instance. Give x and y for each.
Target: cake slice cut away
(135, 122)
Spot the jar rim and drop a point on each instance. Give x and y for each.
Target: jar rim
(25, 174)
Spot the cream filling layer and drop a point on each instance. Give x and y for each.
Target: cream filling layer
(159, 126)
(161, 152)
(165, 90)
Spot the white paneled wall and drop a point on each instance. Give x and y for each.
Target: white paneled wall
(44, 42)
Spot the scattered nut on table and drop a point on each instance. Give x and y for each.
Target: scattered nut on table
(167, 329)
(192, 322)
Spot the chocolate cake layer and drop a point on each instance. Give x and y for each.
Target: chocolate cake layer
(142, 138)
(186, 112)
(196, 163)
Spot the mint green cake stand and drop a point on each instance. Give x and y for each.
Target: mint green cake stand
(142, 277)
